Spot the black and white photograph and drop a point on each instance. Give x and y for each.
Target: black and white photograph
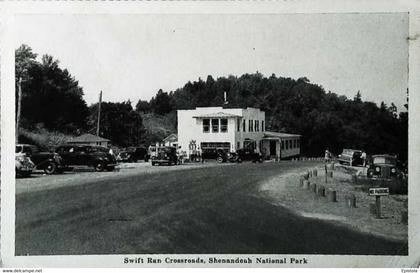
(215, 139)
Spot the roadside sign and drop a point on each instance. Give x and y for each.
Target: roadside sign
(378, 191)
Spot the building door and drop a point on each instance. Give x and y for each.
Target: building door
(272, 148)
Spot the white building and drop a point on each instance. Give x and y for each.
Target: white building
(231, 129)
(171, 140)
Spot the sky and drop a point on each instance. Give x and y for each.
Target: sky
(133, 56)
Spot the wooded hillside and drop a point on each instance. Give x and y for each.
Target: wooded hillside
(52, 100)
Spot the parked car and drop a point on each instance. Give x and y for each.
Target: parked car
(137, 153)
(387, 171)
(383, 166)
(248, 155)
(219, 155)
(94, 156)
(23, 165)
(351, 157)
(123, 156)
(48, 162)
(165, 155)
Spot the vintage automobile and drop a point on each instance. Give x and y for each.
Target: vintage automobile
(94, 156)
(48, 162)
(23, 165)
(220, 155)
(388, 172)
(351, 157)
(137, 153)
(248, 155)
(383, 166)
(165, 155)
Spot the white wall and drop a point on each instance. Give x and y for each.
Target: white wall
(251, 114)
(190, 128)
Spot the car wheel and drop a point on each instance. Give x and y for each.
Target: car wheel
(99, 167)
(219, 159)
(260, 160)
(370, 173)
(239, 160)
(50, 168)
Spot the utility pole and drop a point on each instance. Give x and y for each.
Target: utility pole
(99, 113)
(19, 87)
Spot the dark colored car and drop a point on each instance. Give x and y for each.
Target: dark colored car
(94, 156)
(219, 155)
(383, 166)
(137, 153)
(351, 157)
(248, 155)
(388, 172)
(48, 162)
(165, 155)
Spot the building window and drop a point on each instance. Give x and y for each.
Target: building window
(287, 144)
(206, 125)
(244, 125)
(250, 125)
(215, 125)
(238, 123)
(262, 126)
(290, 144)
(298, 143)
(257, 126)
(282, 144)
(294, 143)
(223, 125)
(238, 145)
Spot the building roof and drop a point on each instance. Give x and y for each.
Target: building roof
(88, 138)
(268, 134)
(218, 115)
(171, 137)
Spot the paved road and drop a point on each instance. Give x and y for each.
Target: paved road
(214, 209)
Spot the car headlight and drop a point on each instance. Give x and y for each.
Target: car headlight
(377, 169)
(393, 170)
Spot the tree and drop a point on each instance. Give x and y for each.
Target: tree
(358, 97)
(119, 123)
(143, 106)
(50, 95)
(161, 103)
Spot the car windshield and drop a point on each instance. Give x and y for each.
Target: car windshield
(384, 160)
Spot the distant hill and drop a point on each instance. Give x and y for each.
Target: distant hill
(324, 119)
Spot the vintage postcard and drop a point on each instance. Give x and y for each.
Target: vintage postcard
(209, 134)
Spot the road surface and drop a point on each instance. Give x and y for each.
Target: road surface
(211, 209)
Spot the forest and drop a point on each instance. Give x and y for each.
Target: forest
(52, 101)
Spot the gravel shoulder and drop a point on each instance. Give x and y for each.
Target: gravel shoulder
(286, 191)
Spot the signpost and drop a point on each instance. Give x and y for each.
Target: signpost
(378, 192)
